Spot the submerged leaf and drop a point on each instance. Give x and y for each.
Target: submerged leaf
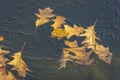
(58, 22)
(103, 53)
(91, 39)
(80, 53)
(81, 56)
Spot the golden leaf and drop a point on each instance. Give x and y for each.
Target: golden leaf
(75, 30)
(80, 53)
(45, 13)
(41, 22)
(59, 33)
(19, 64)
(81, 56)
(103, 53)
(1, 38)
(58, 22)
(44, 16)
(91, 38)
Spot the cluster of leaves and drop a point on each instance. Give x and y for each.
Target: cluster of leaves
(81, 54)
(11, 65)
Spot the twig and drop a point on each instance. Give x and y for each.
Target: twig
(23, 47)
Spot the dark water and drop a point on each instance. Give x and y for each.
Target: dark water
(17, 26)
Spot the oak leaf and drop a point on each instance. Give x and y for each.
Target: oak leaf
(80, 53)
(91, 37)
(59, 33)
(19, 65)
(75, 30)
(44, 16)
(58, 22)
(81, 56)
(103, 53)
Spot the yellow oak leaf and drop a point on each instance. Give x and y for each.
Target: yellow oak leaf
(75, 30)
(41, 21)
(19, 64)
(44, 16)
(45, 13)
(80, 53)
(58, 22)
(81, 56)
(91, 37)
(103, 53)
(59, 33)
